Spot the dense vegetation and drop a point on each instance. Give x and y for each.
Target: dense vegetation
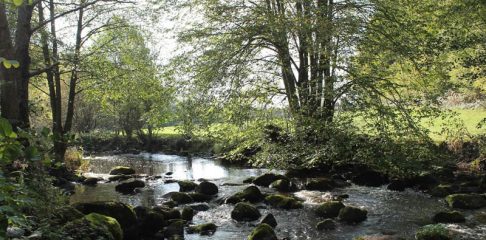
(397, 86)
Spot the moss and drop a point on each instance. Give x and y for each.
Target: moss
(110, 223)
(433, 232)
(203, 229)
(466, 201)
(123, 213)
(284, 202)
(86, 230)
(262, 232)
(329, 209)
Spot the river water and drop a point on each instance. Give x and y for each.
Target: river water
(389, 212)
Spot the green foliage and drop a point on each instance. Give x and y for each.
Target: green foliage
(25, 190)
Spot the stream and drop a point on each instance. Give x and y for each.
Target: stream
(389, 212)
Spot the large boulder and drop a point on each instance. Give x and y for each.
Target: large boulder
(329, 209)
(181, 198)
(327, 224)
(320, 184)
(250, 194)
(282, 201)
(85, 229)
(352, 215)
(169, 214)
(433, 232)
(245, 212)
(206, 229)
(284, 185)
(91, 181)
(268, 178)
(129, 186)
(449, 217)
(207, 188)
(263, 232)
(270, 220)
(186, 186)
(122, 170)
(108, 223)
(117, 210)
(466, 201)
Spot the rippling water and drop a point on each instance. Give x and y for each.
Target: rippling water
(400, 213)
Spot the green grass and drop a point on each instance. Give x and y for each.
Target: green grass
(468, 118)
(171, 131)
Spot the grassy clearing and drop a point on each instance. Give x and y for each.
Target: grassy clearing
(468, 118)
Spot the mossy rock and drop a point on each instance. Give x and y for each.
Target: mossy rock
(329, 209)
(110, 223)
(449, 217)
(442, 190)
(169, 214)
(263, 232)
(466, 201)
(206, 229)
(123, 213)
(187, 214)
(284, 185)
(320, 184)
(181, 198)
(250, 194)
(245, 212)
(270, 220)
(65, 214)
(282, 201)
(268, 178)
(327, 224)
(129, 186)
(186, 186)
(207, 188)
(84, 229)
(352, 215)
(199, 197)
(433, 232)
(122, 170)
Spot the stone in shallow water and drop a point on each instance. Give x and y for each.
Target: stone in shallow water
(327, 224)
(329, 209)
(352, 215)
(181, 198)
(266, 179)
(466, 201)
(129, 186)
(270, 220)
(245, 212)
(433, 232)
(206, 229)
(284, 202)
(207, 188)
(122, 170)
(449, 217)
(263, 232)
(186, 186)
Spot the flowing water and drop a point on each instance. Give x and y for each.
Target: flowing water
(389, 212)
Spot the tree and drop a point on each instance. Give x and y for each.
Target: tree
(304, 44)
(128, 84)
(15, 80)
